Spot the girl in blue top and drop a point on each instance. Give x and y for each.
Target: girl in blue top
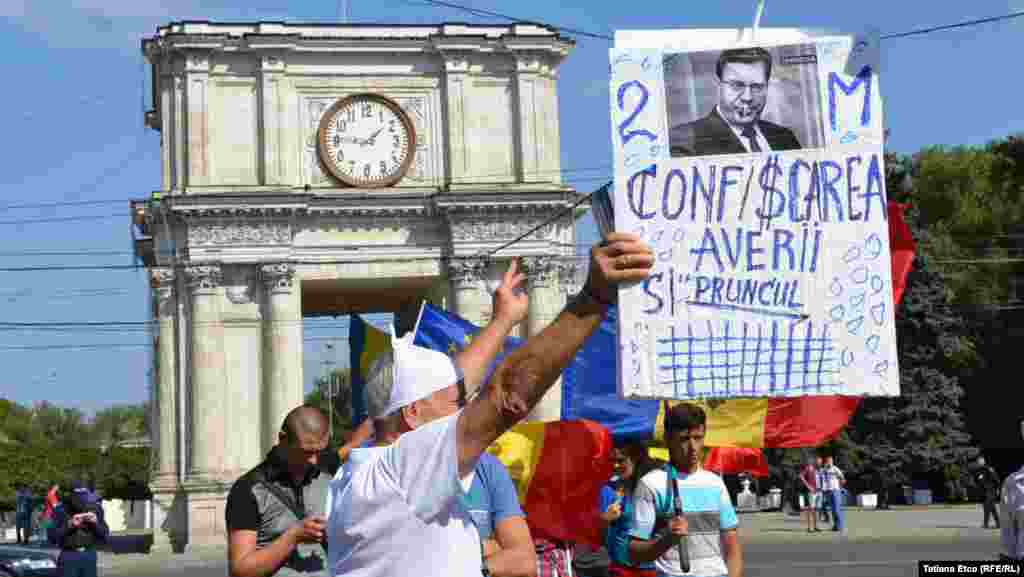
(616, 507)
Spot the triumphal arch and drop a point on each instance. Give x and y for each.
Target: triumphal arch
(323, 170)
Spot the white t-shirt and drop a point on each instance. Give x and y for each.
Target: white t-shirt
(1012, 525)
(395, 511)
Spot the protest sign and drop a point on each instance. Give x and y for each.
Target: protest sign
(756, 172)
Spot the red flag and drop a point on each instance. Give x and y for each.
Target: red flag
(559, 469)
(901, 247)
(731, 460)
(810, 421)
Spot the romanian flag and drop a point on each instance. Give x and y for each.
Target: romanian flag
(558, 469)
(365, 343)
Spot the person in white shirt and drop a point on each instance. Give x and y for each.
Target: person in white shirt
(394, 509)
(1012, 526)
(832, 489)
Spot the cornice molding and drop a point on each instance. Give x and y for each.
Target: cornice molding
(283, 38)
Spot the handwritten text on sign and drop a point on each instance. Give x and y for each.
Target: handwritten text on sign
(773, 269)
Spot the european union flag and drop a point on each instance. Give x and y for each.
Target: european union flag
(442, 331)
(588, 384)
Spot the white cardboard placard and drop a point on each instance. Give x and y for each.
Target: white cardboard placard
(773, 270)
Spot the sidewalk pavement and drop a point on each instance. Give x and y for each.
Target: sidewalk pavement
(931, 523)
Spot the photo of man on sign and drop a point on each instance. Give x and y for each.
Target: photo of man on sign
(718, 101)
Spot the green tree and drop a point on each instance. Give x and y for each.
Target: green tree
(119, 423)
(342, 403)
(891, 441)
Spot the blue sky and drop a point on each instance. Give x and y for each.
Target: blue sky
(72, 124)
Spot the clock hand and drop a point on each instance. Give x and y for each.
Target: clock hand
(373, 137)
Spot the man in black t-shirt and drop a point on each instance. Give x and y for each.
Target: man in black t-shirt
(275, 517)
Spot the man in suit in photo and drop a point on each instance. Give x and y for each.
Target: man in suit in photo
(735, 125)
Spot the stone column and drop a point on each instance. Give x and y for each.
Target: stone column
(544, 275)
(469, 296)
(207, 364)
(165, 410)
(282, 348)
(168, 528)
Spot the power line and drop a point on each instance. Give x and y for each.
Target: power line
(43, 205)
(44, 252)
(964, 24)
(918, 32)
(480, 12)
(65, 219)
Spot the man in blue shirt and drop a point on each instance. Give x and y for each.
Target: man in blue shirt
(493, 503)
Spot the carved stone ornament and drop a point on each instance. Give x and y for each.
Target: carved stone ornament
(161, 280)
(467, 272)
(503, 229)
(204, 277)
(544, 271)
(278, 277)
(218, 234)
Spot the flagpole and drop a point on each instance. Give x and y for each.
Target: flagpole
(416, 327)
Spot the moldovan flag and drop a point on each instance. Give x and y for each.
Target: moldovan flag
(365, 342)
(559, 469)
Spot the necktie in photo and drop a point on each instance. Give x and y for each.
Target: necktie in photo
(751, 135)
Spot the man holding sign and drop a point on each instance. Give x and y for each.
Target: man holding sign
(708, 530)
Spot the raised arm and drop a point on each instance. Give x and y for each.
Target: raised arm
(510, 307)
(525, 375)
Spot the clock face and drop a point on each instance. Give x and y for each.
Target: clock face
(366, 141)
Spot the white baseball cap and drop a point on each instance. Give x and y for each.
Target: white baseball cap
(416, 373)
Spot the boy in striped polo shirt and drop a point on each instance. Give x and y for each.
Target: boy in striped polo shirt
(708, 527)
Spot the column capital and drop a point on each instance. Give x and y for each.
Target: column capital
(204, 278)
(467, 272)
(278, 277)
(545, 271)
(161, 281)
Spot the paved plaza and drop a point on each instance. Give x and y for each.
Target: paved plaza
(878, 543)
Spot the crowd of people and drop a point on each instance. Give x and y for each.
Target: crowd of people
(71, 519)
(419, 494)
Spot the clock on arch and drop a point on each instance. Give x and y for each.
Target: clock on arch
(366, 141)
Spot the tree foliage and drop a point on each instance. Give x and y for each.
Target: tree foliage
(956, 325)
(342, 403)
(892, 441)
(46, 444)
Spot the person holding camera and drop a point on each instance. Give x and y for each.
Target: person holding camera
(80, 526)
